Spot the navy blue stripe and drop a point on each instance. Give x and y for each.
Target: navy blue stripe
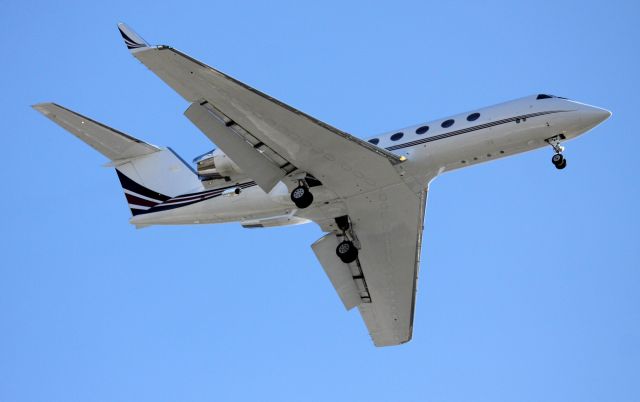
(131, 44)
(468, 129)
(206, 195)
(131, 185)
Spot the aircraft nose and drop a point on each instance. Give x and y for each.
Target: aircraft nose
(592, 116)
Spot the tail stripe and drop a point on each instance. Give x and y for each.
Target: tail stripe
(131, 44)
(137, 189)
(133, 200)
(137, 207)
(140, 198)
(183, 203)
(143, 200)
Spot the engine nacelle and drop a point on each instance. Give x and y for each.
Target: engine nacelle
(217, 165)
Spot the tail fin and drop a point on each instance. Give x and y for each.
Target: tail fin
(131, 38)
(149, 175)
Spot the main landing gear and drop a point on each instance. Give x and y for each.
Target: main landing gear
(301, 196)
(558, 159)
(346, 250)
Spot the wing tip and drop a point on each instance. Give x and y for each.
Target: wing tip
(131, 38)
(43, 107)
(48, 108)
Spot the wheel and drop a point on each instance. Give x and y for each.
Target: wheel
(557, 159)
(347, 252)
(302, 197)
(562, 164)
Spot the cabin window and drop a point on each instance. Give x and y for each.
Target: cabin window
(473, 117)
(396, 136)
(374, 141)
(422, 130)
(447, 123)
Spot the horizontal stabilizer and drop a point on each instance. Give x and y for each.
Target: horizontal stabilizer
(112, 143)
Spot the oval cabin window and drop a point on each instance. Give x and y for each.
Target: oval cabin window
(447, 123)
(473, 117)
(422, 130)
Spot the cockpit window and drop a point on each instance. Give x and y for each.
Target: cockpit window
(545, 96)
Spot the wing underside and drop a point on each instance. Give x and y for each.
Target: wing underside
(346, 164)
(269, 140)
(382, 282)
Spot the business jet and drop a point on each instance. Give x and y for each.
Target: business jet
(278, 166)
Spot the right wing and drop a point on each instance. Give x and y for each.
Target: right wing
(254, 128)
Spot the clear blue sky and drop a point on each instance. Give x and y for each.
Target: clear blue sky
(530, 283)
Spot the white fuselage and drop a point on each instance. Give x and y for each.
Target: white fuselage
(474, 137)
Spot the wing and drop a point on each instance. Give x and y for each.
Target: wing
(276, 131)
(388, 225)
(270, 140)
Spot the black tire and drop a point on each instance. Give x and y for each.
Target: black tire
(347, 252)
(562, 165)
(557, 159)
(302, 197)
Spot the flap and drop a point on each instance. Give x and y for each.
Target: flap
(253, 163)
(339, 273)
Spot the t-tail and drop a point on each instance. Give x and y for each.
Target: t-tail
(149, 175)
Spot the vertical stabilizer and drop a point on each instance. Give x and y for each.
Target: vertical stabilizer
(148, 174)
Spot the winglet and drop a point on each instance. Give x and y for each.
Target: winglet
(131, 38)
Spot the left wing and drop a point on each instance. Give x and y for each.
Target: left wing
(382, 282)
(344, 163)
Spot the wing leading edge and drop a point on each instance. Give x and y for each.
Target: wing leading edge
(346, 164)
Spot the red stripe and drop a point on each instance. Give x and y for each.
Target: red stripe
(139, 201)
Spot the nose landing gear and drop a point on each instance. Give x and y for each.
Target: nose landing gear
(558, 159)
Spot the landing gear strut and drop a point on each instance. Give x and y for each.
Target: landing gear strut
(558, 159)
(301, 196)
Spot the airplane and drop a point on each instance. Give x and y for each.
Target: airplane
(277, 166)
